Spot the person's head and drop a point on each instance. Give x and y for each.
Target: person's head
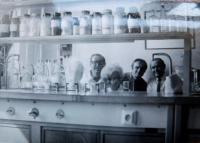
(158, 67)
(139, 67)
(113, 75)
(97, 62)
(66, 50)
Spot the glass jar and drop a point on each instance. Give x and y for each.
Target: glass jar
(34, 25)
(85, 23)
(67, 23)
(75, 26)
(134, 21)
(14, 25)
(164, 21)
(154, 23)
(4, 26)
(56, 24)
(120, 21)
(96, 23)
(181, 24)
(45, 28)
(172, 24)
(107, 22)
(24, 25)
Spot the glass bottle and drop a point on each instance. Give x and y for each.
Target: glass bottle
(56, 24)
(172, 24)
(154, 22)
(4, 26)
(134, 21)
(85, 23)
(75, 26)
(62, 80)
(96, 23)
(24, 25)
(14, 25)
(107, 22)
(67, 23)
(164, 22)
(34, 25)
(120, 21)
(45, 28)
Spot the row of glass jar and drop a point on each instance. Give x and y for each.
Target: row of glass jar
(97, 23)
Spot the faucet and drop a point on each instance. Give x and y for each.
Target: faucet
(168, 57)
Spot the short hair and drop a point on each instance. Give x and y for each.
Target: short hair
(144, 63)
(161, 62)
(99, 55)
(108, 71)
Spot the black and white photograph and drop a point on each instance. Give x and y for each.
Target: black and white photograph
(99, 71)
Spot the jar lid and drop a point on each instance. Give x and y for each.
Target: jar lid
(47, 14)
(85, 12)
(57, 14)
(26, 15)
(67, 13)
(96, 14)
(109, 11)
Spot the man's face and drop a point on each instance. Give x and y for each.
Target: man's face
(97, 64)
(138, 69)
(158, 69)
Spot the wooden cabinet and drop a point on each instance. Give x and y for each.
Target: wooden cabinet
(60, 135)
(10, 133)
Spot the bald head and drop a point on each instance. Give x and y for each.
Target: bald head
(97, 62)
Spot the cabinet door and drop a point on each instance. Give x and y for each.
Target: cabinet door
(10, 133)
(69, 136)
(117, 138)
(55, 137)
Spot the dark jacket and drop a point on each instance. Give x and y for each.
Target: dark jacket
(138, 84)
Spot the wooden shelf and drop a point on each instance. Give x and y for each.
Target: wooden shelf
(115, 38)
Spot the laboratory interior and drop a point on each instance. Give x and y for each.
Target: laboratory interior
(99, 71)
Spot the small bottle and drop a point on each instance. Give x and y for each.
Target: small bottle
(134, 21)
(24, 25)
(85, 23)
(164, 22)
(96, 23)
(172, 24)
(154, 22)
(75, 26)
(120, 21)
(107, 22)
(14, 25)
(56, 24)
(62, 79)
(45, 28)
(67, 23)
(4, 26)
(34, 25)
